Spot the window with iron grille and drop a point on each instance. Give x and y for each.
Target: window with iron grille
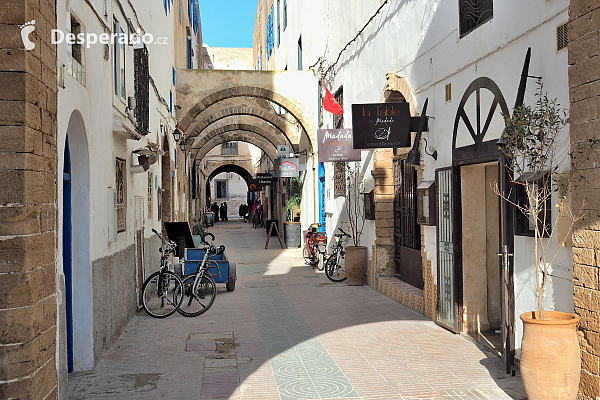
(229, 149)
(474, 13)
(562, 39)
(339, 179)
(75, 53)
(121, 195)
(338, 120)
(525, 224)
(142, 91)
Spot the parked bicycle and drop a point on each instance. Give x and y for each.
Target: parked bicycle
(199, 288)
(162, 291)
(315, 246)
(335, 266)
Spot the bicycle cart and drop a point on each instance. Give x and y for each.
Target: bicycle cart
(221, 270)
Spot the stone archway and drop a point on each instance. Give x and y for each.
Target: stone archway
(199, 90)
(267, 147)
(282, 130)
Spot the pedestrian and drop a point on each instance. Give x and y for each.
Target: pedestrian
(225, 212)
(215, 210)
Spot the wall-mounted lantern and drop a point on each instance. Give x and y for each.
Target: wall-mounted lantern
(426, 208)
(182, 145)
(176, 135)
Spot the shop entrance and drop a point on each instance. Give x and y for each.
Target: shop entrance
(480, 220)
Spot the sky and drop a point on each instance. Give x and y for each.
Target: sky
(227, 23)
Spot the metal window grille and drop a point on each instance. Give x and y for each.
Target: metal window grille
(142, 91)
(284, 14)
(338, 120)
(339, 178)
(562, 38)
(406, 228)
(221, 189)
(278, 23)
(229, 149)
(524, 225)
(474, 13)
(75, 54)
(121, 195)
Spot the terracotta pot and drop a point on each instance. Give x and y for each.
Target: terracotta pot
(550, 358)
(356, 265)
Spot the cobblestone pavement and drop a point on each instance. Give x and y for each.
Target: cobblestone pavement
(286, 333)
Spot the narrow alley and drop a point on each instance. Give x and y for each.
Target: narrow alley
(286, 332)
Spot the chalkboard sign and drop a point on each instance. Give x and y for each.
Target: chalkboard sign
(381, 125)
(264, 179)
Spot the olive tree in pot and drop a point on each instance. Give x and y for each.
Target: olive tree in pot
(292, 229)
(356, 256)
(538, 161)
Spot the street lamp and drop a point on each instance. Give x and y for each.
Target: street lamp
(176, 134)
(182, 145)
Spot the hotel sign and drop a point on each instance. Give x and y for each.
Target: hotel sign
(287, 167)
(336, 145)
(381, 125)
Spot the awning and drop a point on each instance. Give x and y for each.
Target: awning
(121, 127)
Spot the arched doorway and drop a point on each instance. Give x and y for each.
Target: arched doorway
(77, 325)
(67, 235)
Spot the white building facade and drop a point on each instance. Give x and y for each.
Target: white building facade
(467, 63)
(115, 98)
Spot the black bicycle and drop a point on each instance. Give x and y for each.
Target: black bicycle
(335, 266)
(162, 291)
(199, 288)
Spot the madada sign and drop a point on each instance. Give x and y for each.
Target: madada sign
(381, 125)
(336, 145)
(287, 167)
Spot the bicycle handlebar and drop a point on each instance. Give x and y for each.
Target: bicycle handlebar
(208, 234)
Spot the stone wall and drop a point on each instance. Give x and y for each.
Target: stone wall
(27, 202)
(115, 301)
(584, 86)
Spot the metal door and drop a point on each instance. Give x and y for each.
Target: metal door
(407, 234)
(68, 252)
(445, 253)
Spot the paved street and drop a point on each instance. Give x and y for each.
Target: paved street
(286, 332)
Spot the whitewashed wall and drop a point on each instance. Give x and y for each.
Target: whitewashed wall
(420, 41)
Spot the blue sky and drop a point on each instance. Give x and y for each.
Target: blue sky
(227, 23)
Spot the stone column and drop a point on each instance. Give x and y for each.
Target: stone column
(584, 91)
(28, 157)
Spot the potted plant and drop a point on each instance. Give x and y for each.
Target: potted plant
(356, 256)
(292, 229)
(550, 357)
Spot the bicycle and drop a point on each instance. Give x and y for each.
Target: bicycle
(335, 267)
(315, 246)
(199, 288)
(162, 291)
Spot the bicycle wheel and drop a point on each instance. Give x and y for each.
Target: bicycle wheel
(335, 268)
(199, 302)
(310, 259)
(162, 302)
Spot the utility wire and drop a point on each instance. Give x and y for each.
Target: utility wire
(351, 41)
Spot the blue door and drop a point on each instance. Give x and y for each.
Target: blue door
(67, 253)
(322, 219)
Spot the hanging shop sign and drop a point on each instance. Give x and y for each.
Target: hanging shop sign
(336, 145)
(264, 179)
(287, 167)
(254, 186)
(381, 125)
(283, 150)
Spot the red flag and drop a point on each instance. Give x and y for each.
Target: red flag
(329, 103)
